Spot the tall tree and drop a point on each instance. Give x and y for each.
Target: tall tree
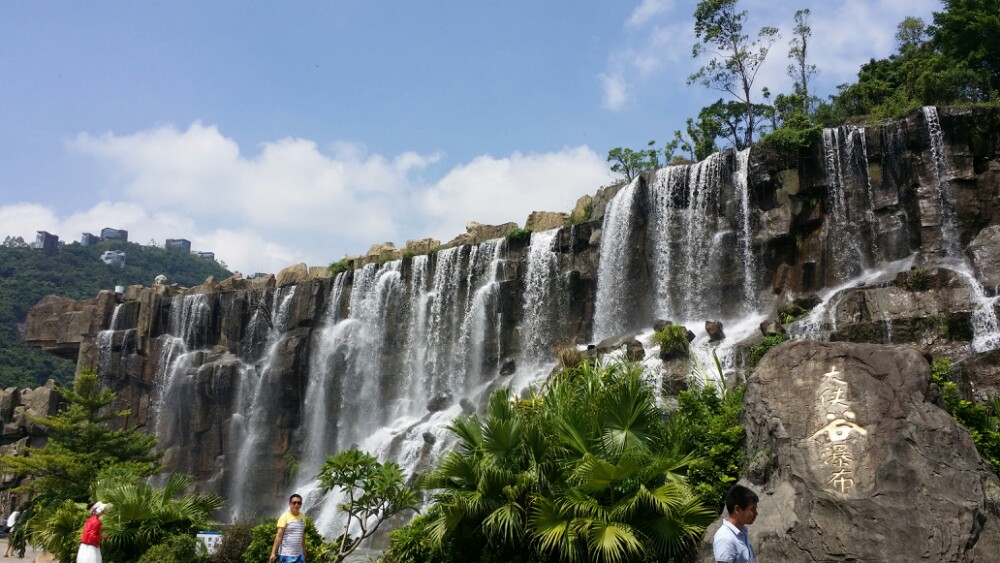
(735, 58)
(800, 70)
(969, 31)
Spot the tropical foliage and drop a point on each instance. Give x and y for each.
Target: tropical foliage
(586, 469)
(262, 539)
(373, 492)
(982, 420)
(144, 516)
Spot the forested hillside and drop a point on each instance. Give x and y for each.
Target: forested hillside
(76, 271)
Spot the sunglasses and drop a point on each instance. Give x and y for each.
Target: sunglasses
(296, 502)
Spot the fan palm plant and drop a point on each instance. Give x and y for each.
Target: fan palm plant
(582, 471)
(144, 516)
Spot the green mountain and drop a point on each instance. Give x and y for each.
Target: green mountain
(27, 275)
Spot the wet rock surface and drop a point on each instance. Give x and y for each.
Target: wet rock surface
(851, 456)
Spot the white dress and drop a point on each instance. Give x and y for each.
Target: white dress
(88, 554)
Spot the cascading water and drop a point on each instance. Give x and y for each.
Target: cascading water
(742, 185)
(540, 309)
(851, 218)
(951, 245)
(253, 419)
(986, 333)
(481, 316)
(407, 342)
(613, 272)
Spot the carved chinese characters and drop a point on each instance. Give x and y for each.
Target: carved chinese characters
(839, 443)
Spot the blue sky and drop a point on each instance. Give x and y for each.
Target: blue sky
(276, 133)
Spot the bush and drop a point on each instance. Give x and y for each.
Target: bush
(673, 340)
(235, 542)
(519, 236)
(757, 352)
(339, 266)
(706, 423)
(982, 421)
(262, 538)
(175, 549)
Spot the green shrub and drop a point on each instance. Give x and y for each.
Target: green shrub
(262, 539)
(918, 280)
(175, 549)
(982, 421)
(706, 423)
(673, 340)
(519, 236)
(339, 266)
(757, 352)
(235, 542)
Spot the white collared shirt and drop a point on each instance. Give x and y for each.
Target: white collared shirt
(732, 545)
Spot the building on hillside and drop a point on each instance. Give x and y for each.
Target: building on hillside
(114, 258)
(47, 242)
(181, 244)
(204, 255)
(107, 233)
(89, 240)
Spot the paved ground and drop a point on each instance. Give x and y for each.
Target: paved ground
(28, 555)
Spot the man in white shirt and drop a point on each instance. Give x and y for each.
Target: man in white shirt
(731, 543)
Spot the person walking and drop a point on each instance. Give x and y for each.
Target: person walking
(90, 541)
(290, 541)
(732, 543)
(11, 522)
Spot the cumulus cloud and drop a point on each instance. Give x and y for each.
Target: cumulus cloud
(293, 202)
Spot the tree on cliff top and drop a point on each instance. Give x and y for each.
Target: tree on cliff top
(736, 59)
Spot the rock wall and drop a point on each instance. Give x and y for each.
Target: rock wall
(416, 333)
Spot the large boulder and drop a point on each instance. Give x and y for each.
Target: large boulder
(545, 220)
(853, 460)
(292, 275)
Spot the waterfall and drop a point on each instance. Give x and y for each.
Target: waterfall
(412, 336)
(742, 185)
(986, 333)
(482, 313)
(328, 341)
(253, 419)
(613, 275)
(849, 220)
(540, 308)
(945, 199)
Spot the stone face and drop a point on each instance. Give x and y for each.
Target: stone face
(545, 220)
(422, 246)
(984, 251)
(583, 209)
(292, 275)
(849, 456)
(714, 330)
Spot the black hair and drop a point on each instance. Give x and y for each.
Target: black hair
(740, 496)
(294, 496)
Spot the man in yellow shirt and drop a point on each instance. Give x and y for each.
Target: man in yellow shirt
(291, 536)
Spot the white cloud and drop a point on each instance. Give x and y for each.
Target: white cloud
(292, 202)
(498, 190)
(615, 90)
(646, 10)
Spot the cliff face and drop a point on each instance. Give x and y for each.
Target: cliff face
(249, 384)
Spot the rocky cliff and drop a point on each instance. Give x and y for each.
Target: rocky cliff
(882, 234)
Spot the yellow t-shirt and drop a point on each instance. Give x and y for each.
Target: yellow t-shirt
(295, 531)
